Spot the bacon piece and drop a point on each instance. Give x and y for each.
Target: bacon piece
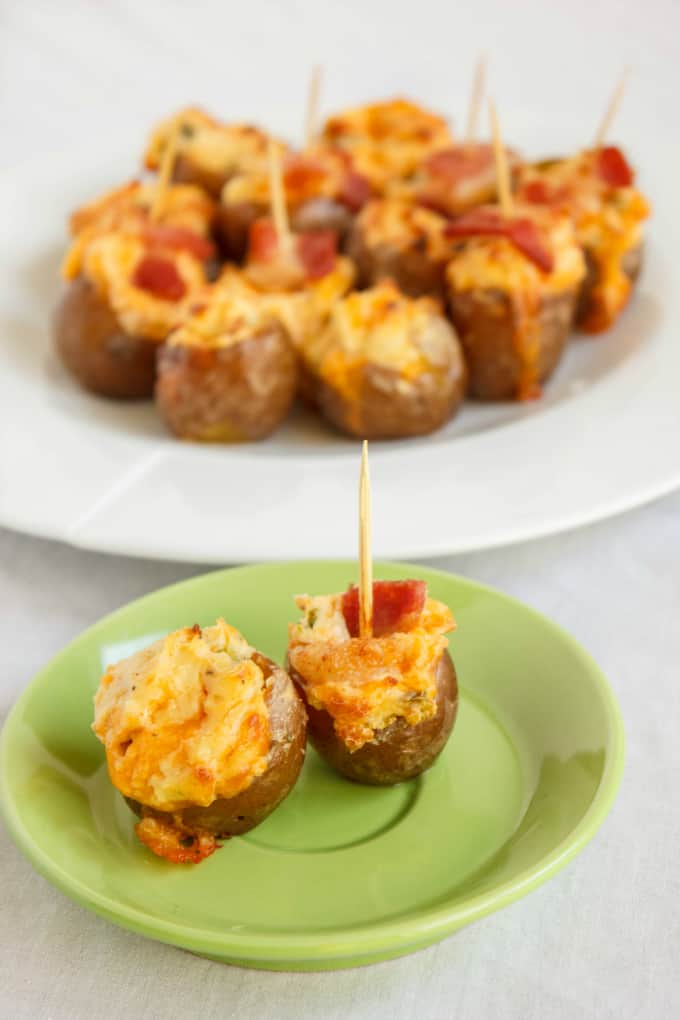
(397, 606)
(159, 277)
(455, 164)
(178, 239)
(317, 251)
(613, 168)
(262, 240)
(523, 233)
(355, 191)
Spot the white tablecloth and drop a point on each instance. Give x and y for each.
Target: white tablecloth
(602, 939)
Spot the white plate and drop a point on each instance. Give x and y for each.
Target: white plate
(604, 438)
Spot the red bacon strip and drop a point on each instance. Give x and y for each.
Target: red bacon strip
(522, 233)
(454, 165)
(317, 251)
(159, 277)
(178, 239)
(397, 606)
(262, 240)
(613, 168)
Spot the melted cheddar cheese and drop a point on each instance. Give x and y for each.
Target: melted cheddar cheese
(185, 722)
(608, 223)
(109, 264)
(367, 683)
(211, 145)
(220, 319)
(314, 173)
(383, 327)
(302, 312)
(405, 227)
(482, 262)
(127, 209)
(387, 140)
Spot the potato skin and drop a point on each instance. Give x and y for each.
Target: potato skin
(398, 752)
(631, 264)
(96, 349)
(487, 320)
(288, 725)
(229, 394)
(413, 271)
(384, 409)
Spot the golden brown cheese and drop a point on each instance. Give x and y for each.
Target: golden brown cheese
(109, 264)
(211, 145)
(127, 209)
(380, 326)
(185, 722)
(495, 262)
(303, 312)
(405, 227)
(220, 320)
(608, 222)
(314, 173)
(367, 683)
(388, 139)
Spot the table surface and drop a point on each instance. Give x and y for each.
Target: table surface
(600, 940)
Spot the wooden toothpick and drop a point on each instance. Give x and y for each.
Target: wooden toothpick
(365, 560)
(501, 159)
(312, 114)
(164, 177)
(612, 109)
(278, 199)
(478, 83)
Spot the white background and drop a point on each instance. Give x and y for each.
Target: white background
(602, 939)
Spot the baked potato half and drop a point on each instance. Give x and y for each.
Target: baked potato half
(228, 374)
(395, 240)
(97, 351)
(117, 312)
(204, 737)
(385, 366)
(381, 707)
(513, 284)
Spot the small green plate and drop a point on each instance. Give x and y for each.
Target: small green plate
(340, 874)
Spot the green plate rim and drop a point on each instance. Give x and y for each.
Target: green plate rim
(419, 928)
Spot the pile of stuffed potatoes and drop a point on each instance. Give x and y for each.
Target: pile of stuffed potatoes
(390, 286)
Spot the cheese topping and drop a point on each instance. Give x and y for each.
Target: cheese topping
(211, 145)
(222, 320)
(495, 262)
(367, 683)
(302, 313)
(184, 722)
(127, 209)
(314, 173)
(382, 327)
(387, 139)
(109, 264)
(405, 227)
(608, 223)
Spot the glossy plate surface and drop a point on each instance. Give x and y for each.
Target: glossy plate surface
(605, 436)
(340, 874)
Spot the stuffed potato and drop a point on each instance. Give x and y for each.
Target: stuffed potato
(380, 708)
(385, 365)
(513, 285)
(204, 737)
(596, 188)
(228, 373)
